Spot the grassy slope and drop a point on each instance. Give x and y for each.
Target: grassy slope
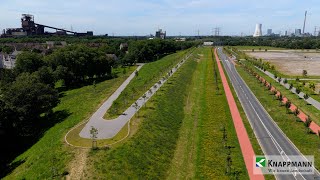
(305, 88)
(200, 153)
(308, 144)
(50, 151)
(149, 152)
(308, 109)
(148, 75)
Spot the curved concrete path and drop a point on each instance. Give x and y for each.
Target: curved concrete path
(109, 128)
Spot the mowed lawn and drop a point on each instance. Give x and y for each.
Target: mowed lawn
(201, 151)
(50, 156)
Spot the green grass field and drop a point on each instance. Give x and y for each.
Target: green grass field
(50, 156)
(308, 144)
(148, 153)
(148, 75)
(200, 152)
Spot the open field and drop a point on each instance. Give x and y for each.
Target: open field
(308, 144)
(292, 63)
(50, 156)
(257, 48)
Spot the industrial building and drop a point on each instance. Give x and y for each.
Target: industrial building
(7, 61)
(258, 31)
(297, 32)
(29, 27)
(161, 34)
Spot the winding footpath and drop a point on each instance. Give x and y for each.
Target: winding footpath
(107, 129)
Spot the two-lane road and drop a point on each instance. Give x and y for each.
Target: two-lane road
(270, 137)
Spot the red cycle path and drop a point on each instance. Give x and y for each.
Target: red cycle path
(243, 138)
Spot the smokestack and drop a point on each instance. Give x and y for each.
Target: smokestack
(258, 31)
(305, 19)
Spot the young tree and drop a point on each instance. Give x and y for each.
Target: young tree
(144, 96)
(288, 105)
(94, 134)
(298, 90)
(290, 86)
(136, 106)
(304, 72)
(296, 112)
(306, 96)
(312, 86)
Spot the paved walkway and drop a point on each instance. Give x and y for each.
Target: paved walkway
(310, 100)
(109, 128)
(243, 138)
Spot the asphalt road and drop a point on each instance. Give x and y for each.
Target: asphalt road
(270, 137)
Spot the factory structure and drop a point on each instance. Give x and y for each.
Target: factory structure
(258, 31)
(161, 34)
(29, 28)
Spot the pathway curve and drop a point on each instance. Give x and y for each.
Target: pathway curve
(310, 100)
(109, 128)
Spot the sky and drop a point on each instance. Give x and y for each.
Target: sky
(177, 17)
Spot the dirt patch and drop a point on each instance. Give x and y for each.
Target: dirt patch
(78, 164)
(291, 62)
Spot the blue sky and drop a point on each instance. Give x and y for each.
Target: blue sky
(142, 17)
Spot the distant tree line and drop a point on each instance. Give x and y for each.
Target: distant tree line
(151, 50)
(283, 42)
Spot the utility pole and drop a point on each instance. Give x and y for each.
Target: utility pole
(316, 31)
(216, 31)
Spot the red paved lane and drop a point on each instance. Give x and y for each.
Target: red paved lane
(243, 138)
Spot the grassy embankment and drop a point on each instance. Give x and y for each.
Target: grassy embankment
(304, 87)
(148, 75)
(148, 153)
(50, 156)
(300, 102)
(201, 151)
(308, 144)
